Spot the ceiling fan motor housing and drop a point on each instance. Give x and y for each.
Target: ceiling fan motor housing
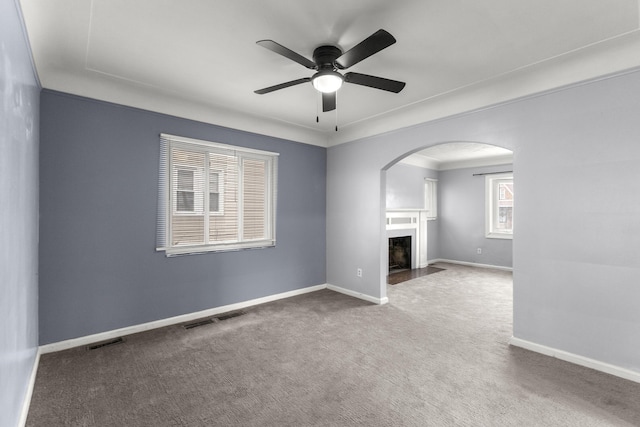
(325, 57)
(327, 80)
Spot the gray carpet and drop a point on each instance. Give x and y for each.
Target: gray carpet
(436, 355)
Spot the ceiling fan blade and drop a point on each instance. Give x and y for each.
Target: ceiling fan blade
(373, 44)
(282, 85)
(328, 102)
(374, 82)
(287, 53)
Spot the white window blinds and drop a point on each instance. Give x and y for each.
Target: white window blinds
(215, 197)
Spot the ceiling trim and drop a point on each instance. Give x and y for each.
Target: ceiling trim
(434, 164)
(524, 83)
(598, 61)
(476, 163)
(151, 99)
(601, 59)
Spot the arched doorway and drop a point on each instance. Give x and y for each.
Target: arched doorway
(440, 204)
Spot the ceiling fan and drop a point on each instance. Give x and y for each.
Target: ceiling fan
(327, 60)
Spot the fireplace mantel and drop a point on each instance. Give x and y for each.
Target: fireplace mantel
(414, 221)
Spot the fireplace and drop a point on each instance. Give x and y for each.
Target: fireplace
(399, 253)
(406, 230)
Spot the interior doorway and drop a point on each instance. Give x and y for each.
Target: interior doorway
(446, 186)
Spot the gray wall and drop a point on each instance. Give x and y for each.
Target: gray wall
(405, 190)
(98, 267)
(576, 245)
(462, 222)
(19, 95)
(405, 186)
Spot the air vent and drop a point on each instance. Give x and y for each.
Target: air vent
(102, 344)
(224, 316)
(198, 323)
(230, 315)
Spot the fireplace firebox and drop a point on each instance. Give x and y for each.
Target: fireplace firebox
(399, 253)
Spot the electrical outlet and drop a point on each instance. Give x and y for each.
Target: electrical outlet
(359, 272)
(479, 251)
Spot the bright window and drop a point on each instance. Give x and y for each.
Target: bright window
(431, 198)
(215, 197)
(185, 190)
(216, 192)
(499, 206)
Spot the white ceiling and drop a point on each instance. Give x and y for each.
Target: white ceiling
(198, 58)
(456, 155)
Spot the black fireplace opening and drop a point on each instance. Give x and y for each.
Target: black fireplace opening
(399, 253)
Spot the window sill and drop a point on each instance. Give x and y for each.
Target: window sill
(199, 250)
(502, 236)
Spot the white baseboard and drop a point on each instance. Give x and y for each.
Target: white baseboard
(359, 295)
(27, 398)
(577, 359)
(103, 336)
(471, 264)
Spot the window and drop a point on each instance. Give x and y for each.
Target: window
(185, 193)
(215, 189)
(499, 206)
(214, 197)
(431, 198)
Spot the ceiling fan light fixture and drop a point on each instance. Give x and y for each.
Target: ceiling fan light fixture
(327, 81)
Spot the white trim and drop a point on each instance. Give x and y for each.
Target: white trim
(26, 404)
(168, 190)
(379, 301)
(103, 336)
(417, 159)
(424, 161)
(504, 236)
(492, 182)
(475, 163)
(220, 247)
(417, 225)
(218, 145)
(471, 264)
(576, 359)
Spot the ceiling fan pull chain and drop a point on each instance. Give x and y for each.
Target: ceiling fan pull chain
(336, 109)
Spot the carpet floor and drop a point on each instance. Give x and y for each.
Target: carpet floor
(436, 355)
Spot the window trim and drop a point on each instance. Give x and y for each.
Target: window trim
(174, 203)
(166, 197)
(491, 196)
(220, 210)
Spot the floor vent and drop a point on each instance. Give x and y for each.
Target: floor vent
(198, 323)
(230, 315)
(114, 341)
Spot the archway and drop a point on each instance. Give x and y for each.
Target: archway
(423, 226)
